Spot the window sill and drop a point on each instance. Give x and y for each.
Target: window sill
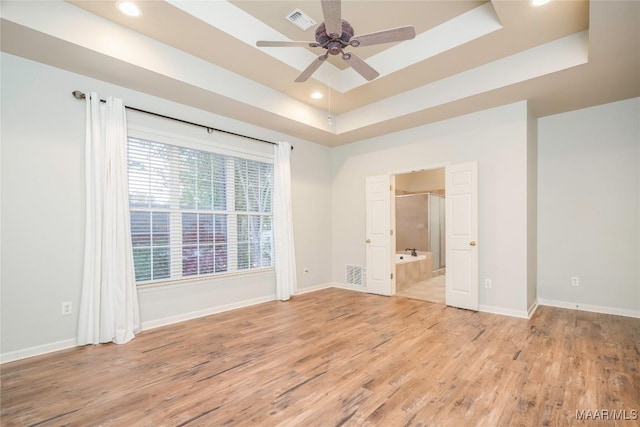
(178, 283)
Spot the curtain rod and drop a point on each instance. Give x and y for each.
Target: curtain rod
(80, 95)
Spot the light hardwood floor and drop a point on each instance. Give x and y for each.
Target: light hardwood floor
(432, 290)
(336, 357)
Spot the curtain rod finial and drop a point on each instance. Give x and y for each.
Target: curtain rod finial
(78, 94)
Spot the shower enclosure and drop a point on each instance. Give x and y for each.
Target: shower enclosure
(420, 224)
(437, 231)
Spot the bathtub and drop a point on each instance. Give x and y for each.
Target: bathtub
(405, 258)
(412, 269)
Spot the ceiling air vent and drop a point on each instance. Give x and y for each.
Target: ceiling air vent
(301, 19)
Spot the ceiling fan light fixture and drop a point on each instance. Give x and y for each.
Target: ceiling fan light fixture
(129, 8)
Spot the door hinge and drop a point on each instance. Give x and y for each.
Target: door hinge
(391, 232)
(391, 188)
(391, 276)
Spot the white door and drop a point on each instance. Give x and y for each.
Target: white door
(378, 235)
(461, 189)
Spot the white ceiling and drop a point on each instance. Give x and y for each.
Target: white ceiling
(467, 56)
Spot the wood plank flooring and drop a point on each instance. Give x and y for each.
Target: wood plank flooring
(341, 358)
(432, 290)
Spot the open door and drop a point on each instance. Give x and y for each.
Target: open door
(461, 182)
(378, 235)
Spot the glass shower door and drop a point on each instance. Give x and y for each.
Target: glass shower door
(437, 230)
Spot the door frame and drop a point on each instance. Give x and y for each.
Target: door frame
(393, 211)
(392, 220)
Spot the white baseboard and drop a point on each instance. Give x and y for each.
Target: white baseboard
(314, 288)
(348, 287)
(592, 308)
(151, 324)
(37, 350)
(157, 323)
(201, 313)
(532, 309)
(503, 311)
(328, 286)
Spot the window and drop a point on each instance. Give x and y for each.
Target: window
(196, 212)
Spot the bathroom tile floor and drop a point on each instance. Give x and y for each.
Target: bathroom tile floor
(431, 290)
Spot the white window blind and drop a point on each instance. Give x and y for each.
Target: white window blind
(197, 212)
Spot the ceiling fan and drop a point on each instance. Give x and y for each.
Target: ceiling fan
(335, 34)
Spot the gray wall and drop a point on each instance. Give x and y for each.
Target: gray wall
(532, 210)
(43, 209)
(497, 139)
(588, 208)
(588, 221)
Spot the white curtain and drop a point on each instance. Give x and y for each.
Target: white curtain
(285, 256)
(109, 308)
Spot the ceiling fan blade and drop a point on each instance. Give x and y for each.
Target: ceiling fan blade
(361, 67)
(332, 16)
(263, 43)
(311, 68)
(385, 36)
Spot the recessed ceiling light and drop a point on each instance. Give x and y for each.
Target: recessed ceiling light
(317, 95)
(539, 2)
(129, 8)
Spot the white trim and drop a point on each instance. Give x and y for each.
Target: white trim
(164, 284)
(541, 60)
(148, 325)
(314, 288)
(417, 169)
(237, 23)
(533, 308)
(174, 166)
(152, 324)
(348, 288)
(592, 308)
(503, 311)
(225, 144)
(37, 350)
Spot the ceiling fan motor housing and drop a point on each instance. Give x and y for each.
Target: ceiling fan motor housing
(334, 45)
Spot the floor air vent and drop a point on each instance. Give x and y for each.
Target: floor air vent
(355, 275)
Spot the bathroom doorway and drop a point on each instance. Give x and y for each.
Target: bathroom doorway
(420, 235)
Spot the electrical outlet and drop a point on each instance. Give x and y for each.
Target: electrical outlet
(67, 308)
(575, 281)
(488, 284)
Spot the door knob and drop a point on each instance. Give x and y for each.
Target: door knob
(368, 240)
(472, 243)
